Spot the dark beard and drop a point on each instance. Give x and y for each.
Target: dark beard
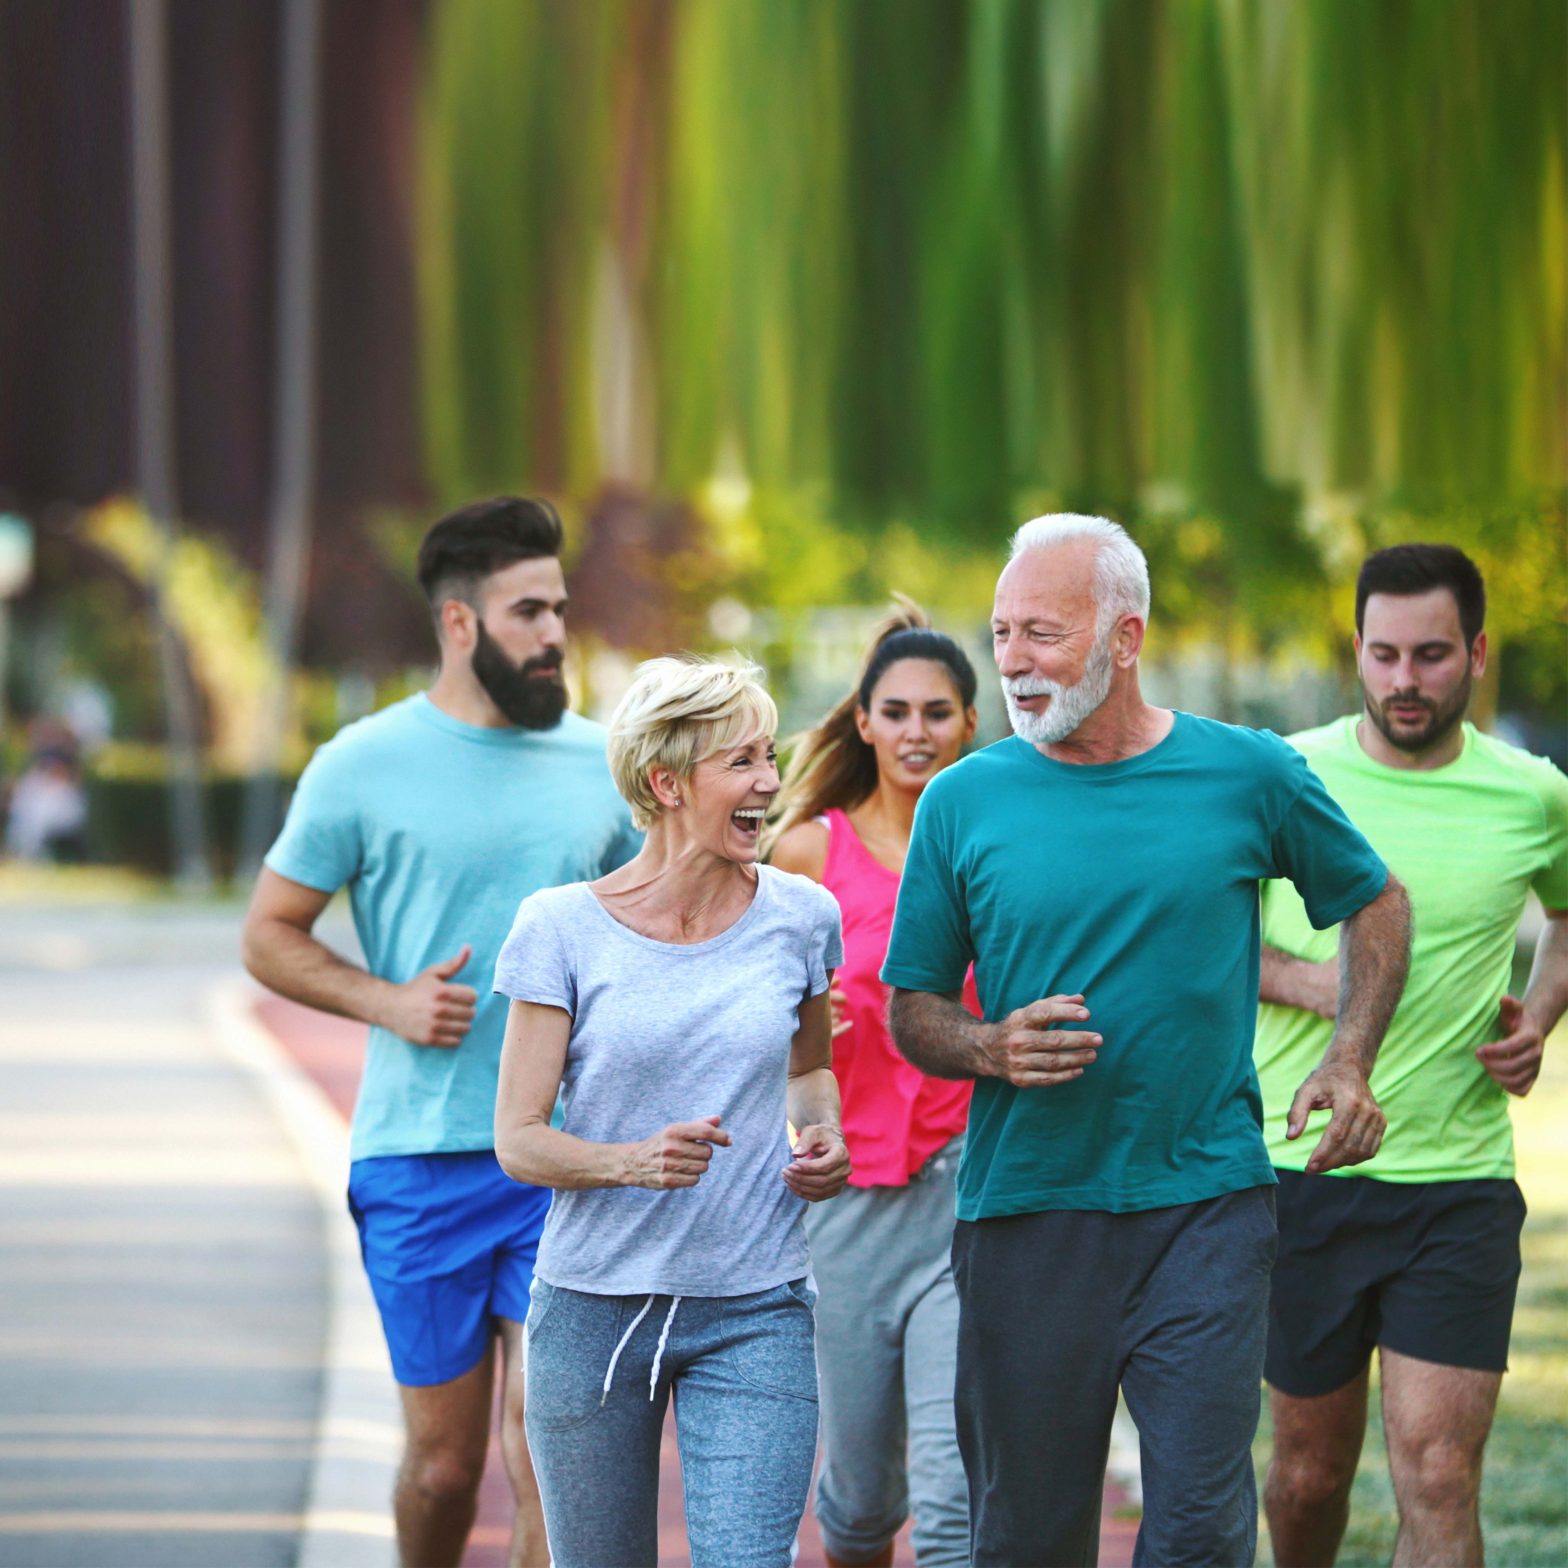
(1440, 720)
(530, 701)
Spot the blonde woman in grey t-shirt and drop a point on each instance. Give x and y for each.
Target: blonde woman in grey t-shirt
(679, 1006)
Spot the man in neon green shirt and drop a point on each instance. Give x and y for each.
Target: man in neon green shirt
(1416, 1251)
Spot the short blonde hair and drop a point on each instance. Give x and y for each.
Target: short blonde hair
(678, 711)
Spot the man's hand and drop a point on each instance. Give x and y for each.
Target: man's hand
(1355, 1129)
(821, 1164)
(1515, 1060)
(675, 1156)
(1029, 1053)
(430, 1009)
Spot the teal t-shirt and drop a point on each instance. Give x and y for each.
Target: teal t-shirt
(439, 829)
(1135, 883)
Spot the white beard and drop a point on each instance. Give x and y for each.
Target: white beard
(1070, 705)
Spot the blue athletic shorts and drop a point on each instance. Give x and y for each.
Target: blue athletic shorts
(449, 1242)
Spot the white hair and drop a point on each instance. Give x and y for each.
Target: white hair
(676, 712)
(1121, 574)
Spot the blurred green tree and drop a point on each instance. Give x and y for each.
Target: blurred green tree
(1272, 283)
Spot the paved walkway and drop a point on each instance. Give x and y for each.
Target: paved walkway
(161, 1283)
(330, 1051)
(190, 1369)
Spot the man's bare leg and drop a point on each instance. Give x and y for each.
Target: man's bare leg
(1317, 1445)
(530, 1548)
(1437, 1420)
(448, 1427)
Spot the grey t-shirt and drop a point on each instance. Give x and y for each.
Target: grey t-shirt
(668, 1032)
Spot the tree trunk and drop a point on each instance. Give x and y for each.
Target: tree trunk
(155, 434)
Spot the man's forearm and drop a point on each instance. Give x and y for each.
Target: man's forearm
(1374, 960)
(296, 965)
(1546, 992)
(938, 1034)
(1298, 982)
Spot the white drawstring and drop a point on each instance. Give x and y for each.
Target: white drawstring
(658, 1355)
(610, 1370)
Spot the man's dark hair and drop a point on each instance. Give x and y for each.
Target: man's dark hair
(467, 545)
(1419, 568)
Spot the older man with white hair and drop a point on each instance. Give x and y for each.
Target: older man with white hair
(1100, 868)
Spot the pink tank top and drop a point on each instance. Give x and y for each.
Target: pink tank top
(895, 1117)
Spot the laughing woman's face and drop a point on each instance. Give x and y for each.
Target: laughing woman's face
(729, 794)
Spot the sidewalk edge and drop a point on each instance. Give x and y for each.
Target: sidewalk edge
(359, 1425)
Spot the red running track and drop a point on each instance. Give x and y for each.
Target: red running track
(331, 1052)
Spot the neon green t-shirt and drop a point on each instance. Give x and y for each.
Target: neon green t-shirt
(1469, 841)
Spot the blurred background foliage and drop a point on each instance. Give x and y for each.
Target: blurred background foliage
(789, 305)
(1273, 283)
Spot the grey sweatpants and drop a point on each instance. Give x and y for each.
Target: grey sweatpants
(1058, 1309)
(887, 1342)
(602, 1370)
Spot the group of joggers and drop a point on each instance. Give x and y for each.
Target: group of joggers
(917, 1136)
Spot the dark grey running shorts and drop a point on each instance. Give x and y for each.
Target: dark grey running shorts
(1427, 1269)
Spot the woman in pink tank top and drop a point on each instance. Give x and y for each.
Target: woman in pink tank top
(887, 1314)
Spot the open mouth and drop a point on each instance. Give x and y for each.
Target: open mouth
(918, 759)
(748, 820)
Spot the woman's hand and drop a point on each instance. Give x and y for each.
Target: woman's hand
(839, 1003)
(676, 1157)
(821, 1164)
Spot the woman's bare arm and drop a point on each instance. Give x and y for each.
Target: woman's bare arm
(803, 850)
(533, 1059)
(821, 1166)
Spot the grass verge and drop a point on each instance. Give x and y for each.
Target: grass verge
(30, 884)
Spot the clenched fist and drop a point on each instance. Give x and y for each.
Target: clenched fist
(820, 1166)
(430, 1009)
(677, 1156)
(1030, 1053)
(1514, 1062)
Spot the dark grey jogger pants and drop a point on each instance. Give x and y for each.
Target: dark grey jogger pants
(1055, 1311)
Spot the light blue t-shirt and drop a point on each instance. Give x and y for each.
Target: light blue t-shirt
(438, 828)
(666, 1032)
(1135, 883)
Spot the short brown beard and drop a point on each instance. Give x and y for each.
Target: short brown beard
(1439, 726)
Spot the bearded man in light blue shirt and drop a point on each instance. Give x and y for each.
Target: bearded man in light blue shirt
(440, 814)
